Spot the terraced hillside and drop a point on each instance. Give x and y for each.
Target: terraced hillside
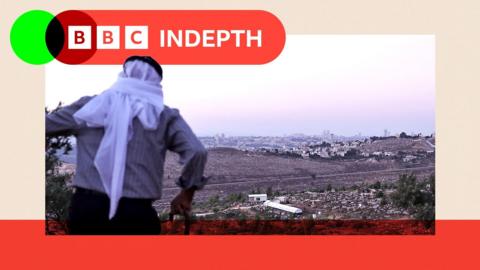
(234, 171)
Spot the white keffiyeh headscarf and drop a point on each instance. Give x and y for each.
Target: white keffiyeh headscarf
(136, 93)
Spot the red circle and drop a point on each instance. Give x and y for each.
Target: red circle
(72, 18)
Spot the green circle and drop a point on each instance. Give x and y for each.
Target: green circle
(27, 37)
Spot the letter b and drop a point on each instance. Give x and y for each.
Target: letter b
(108, 37)
(79, 37)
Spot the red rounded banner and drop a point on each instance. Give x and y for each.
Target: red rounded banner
(170, 36)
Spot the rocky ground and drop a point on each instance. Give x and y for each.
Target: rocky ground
(349, 204)
(358, 203)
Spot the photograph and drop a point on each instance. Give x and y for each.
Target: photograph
(335, 136)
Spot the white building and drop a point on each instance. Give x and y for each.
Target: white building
(257, 197)
(409, 158)
(280, 199)
(204, 214)
(283, 207)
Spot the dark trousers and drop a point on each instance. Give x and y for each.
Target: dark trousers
(88, 215)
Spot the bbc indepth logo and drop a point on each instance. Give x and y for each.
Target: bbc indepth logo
(171, 36)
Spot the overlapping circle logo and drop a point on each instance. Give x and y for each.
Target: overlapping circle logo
(37, 37)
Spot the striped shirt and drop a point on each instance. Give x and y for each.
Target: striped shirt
(145, 152)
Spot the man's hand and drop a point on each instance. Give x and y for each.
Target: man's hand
(182, 203)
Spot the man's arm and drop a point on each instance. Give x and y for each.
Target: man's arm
(193, 156)
(61, 122)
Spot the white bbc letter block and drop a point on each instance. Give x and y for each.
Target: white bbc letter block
(79, 37)
(108, 37)
(136, 37)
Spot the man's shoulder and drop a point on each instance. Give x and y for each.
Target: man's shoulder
(82, 101)
(169, 112)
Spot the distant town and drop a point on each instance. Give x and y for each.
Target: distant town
(327, 145)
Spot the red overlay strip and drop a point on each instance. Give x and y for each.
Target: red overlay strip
(454, 246)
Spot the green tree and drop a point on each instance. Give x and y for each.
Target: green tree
(57, 193)
(269, 191)
(352, 153)
(416, 197)
(376, 185)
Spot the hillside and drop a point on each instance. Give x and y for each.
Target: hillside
(397, 144)
(235, 171)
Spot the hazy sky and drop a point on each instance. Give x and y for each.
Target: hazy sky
(343, 83)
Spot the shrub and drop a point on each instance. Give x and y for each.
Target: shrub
(57, 193)
(384, 201)
(235, 197)
(214, 200)
(376, 185)
(416, 197)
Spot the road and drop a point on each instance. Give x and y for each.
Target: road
(307, 177)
